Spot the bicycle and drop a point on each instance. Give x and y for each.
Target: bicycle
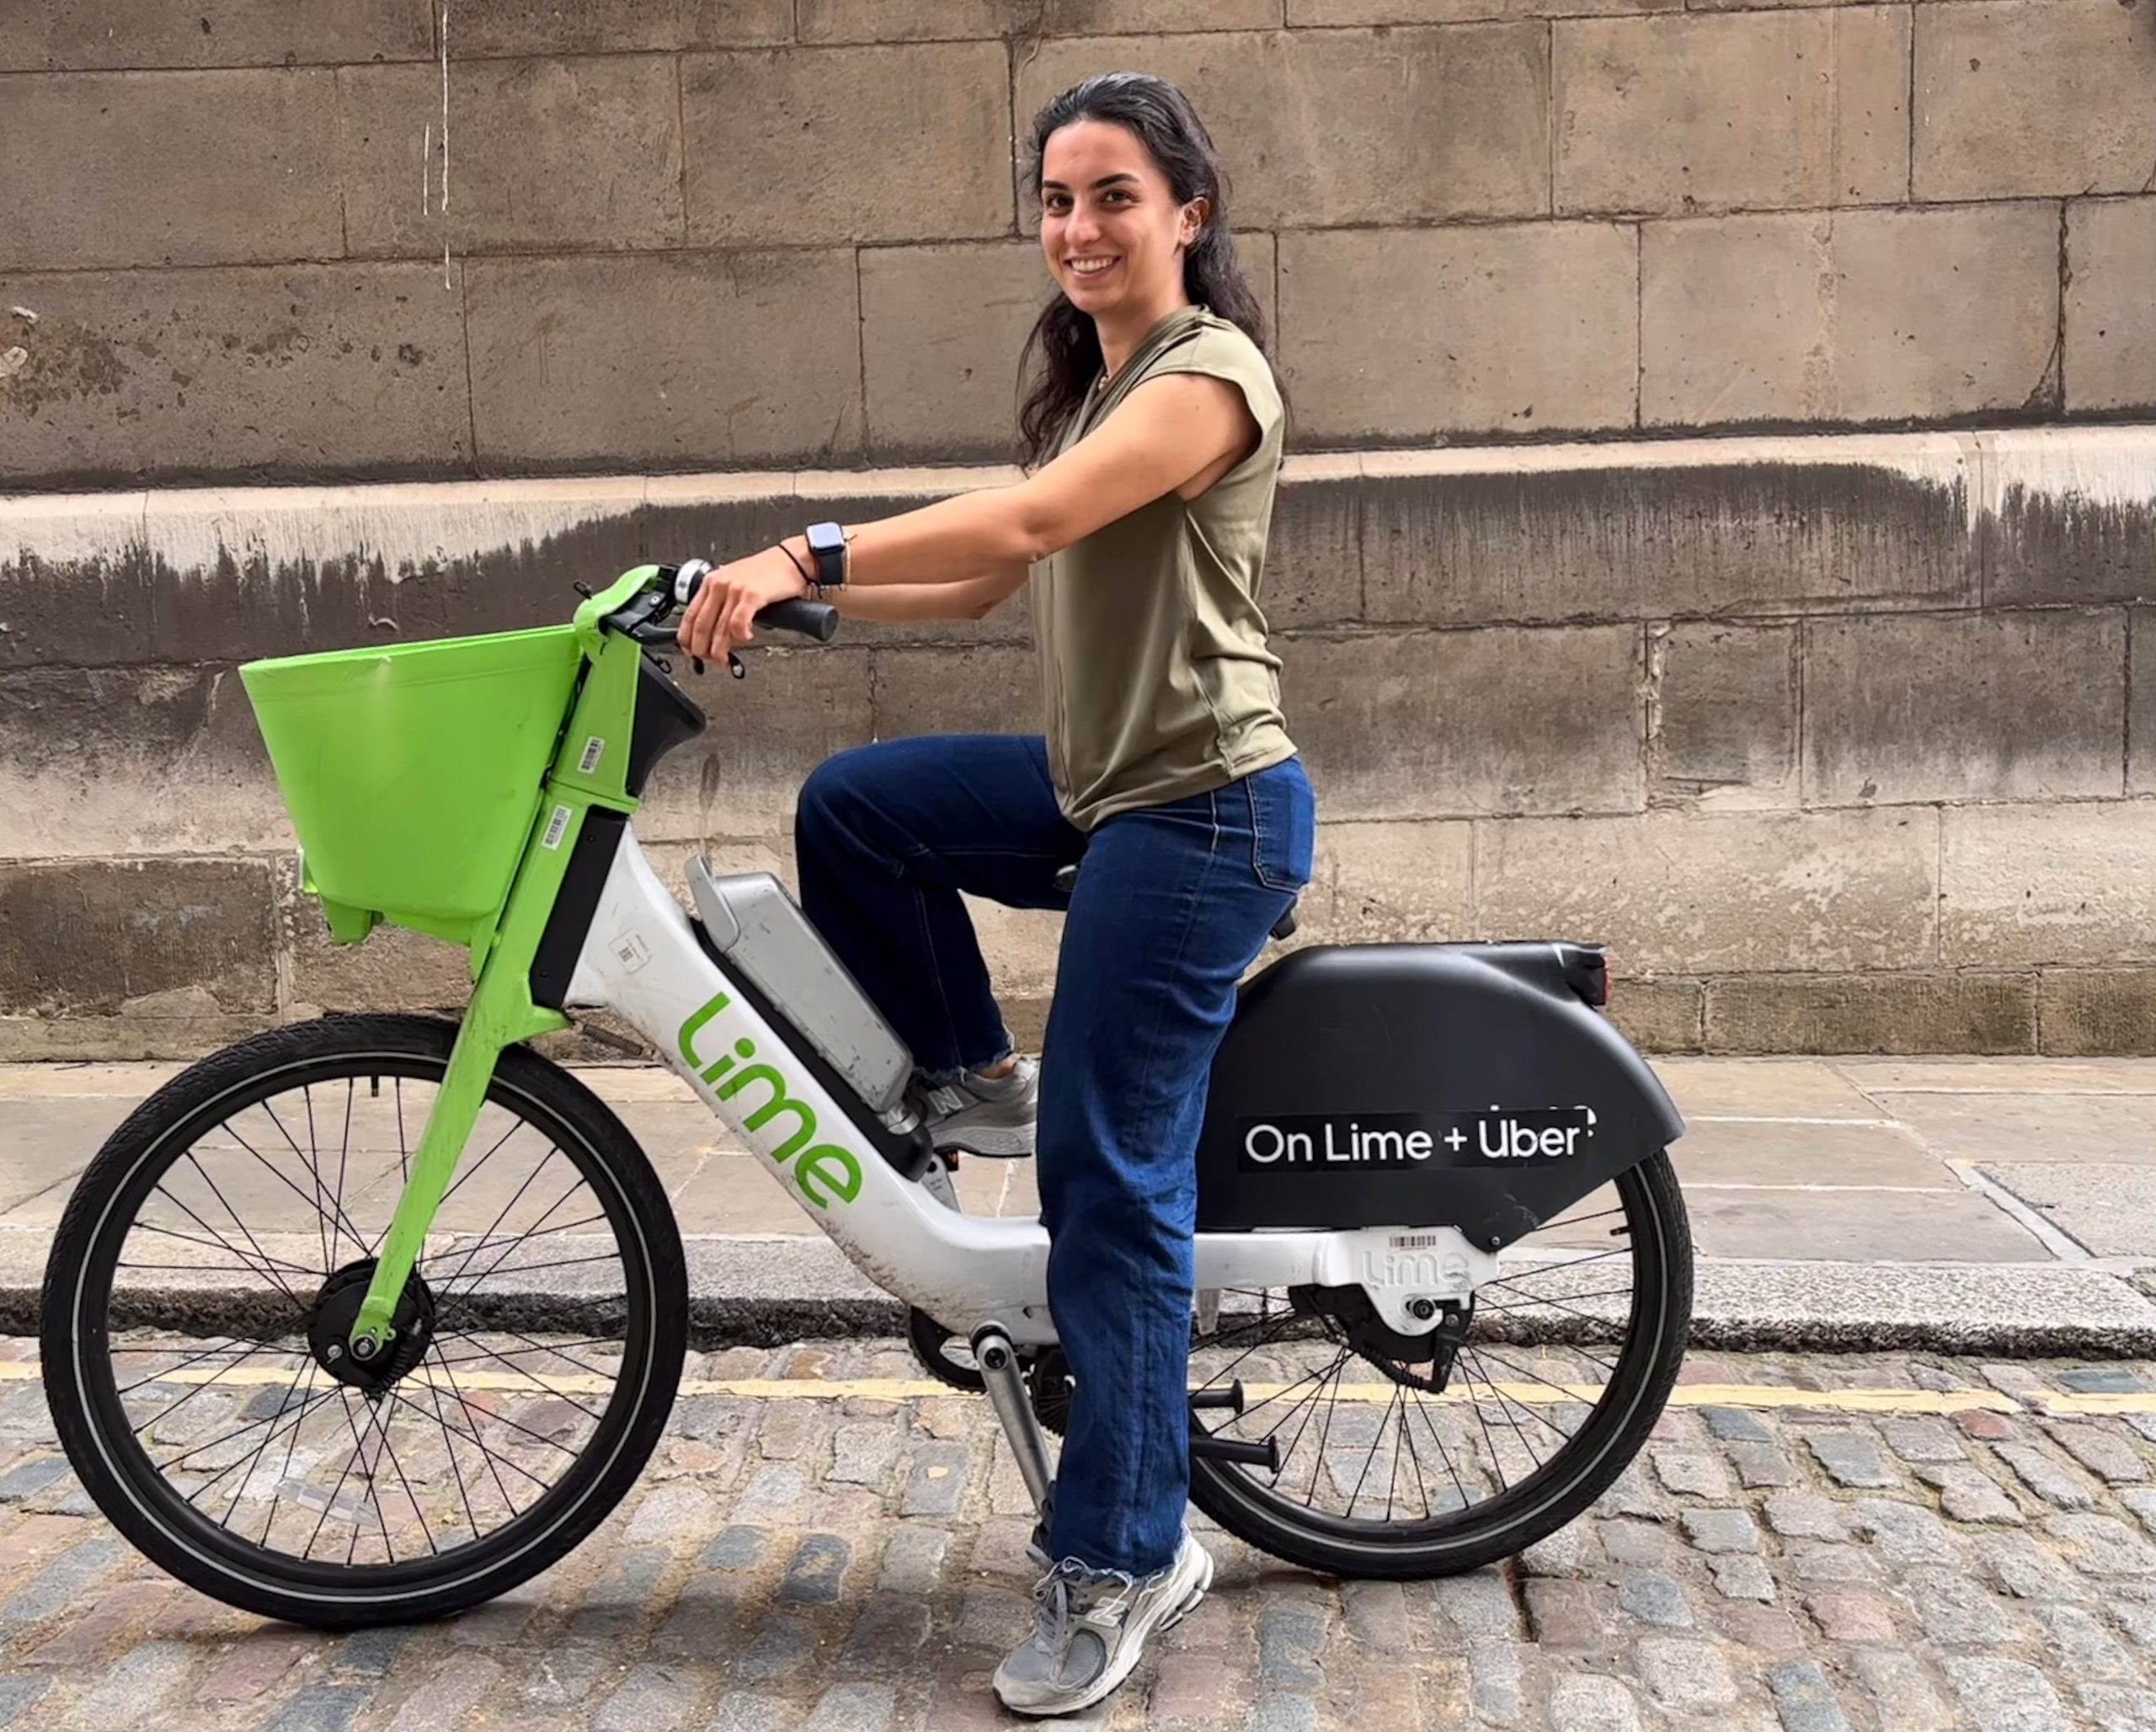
(432, 1373)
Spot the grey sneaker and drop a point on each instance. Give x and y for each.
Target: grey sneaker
(986, 1115)
(1090, 1629)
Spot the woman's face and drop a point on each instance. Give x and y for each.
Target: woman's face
(1110, 225)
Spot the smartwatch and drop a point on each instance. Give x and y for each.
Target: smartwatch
(827, 547)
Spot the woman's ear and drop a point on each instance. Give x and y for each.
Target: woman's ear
(1192, 222)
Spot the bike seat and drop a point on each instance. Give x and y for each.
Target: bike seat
(1066, 880)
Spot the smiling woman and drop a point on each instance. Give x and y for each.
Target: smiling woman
(1151, 434)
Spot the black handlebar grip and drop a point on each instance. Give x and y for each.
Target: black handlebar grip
(811, 619)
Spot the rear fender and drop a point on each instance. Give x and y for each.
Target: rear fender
(1467, 1086)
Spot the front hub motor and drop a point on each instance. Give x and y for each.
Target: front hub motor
(337, 1308)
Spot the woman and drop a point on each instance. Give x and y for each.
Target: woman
(1152, 442)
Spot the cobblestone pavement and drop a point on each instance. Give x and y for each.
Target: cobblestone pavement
(823, 1542)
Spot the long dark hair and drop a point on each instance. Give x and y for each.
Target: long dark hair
(1162, 119)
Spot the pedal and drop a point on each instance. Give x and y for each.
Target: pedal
(1231, 1399)
(1265, 1454)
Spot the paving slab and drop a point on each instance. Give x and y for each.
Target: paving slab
(1884, 1227)
(2110, 1209)
(2003, 1076)
(1772, 1087)
(1778, 1152)
(1995, 1125)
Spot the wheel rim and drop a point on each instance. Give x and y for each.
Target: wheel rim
(1553, 1367)
(537, 1277)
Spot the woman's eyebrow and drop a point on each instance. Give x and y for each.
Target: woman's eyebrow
(1105, 180)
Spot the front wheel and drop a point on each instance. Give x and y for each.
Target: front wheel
(208, 1267)
(1405, 1459)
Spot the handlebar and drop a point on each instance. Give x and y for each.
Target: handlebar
(811, 619)
(646, 619)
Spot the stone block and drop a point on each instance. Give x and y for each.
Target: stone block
(100, 938)
(1724, 716)
(1748, 110)
(2110, 316)
(120, 169)
(1824, 525)
(242, 572)
(2013, 101)
(971, 20)
(808, 147)
(2070, 519)
(2021, 705)
(739, 778)
(2142, 702)
(1335, 14)
(1390, 884)
(2097, 1012)
(1658, 1015)
(164, 1027)
(1332, 127)
(991, 689)
(1855, 316)
(78, 585)
(575, 155)
(1877, 1012)
(2072, 883)
(707, 361)
(1436, 724)
(275, 371)
(392, 970)
(942, 331)
(513, 27)
(98, 36)
(131, 761)
(1680, 892)
(1409, 334)
(1314, 558)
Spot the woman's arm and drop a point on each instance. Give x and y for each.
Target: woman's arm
(1168, 431)
(974, 597)
(1165, 433)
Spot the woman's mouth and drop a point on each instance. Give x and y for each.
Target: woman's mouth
(1086, 270)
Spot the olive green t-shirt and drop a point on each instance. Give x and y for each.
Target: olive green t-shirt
(1156, 678)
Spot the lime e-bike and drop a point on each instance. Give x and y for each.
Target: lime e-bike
(369, 1317)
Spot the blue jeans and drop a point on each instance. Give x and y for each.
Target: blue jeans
(1173, 903)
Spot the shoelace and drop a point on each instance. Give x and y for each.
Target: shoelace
(1057, 1594)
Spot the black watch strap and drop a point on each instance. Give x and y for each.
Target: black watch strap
(827, 547)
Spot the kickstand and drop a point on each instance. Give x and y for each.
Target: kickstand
(998, 1360)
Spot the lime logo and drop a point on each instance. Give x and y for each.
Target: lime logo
(822, 1171)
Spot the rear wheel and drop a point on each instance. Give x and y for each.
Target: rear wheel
(1404, 1463)
(208, 1267)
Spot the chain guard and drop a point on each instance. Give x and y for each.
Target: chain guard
(931, 1342)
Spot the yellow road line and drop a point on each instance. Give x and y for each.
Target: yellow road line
(1762, 1396)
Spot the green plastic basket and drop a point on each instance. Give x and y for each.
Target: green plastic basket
(411, 772)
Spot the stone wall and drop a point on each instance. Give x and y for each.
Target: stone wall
(270, 241)
(1842, 740)
(1844, 743)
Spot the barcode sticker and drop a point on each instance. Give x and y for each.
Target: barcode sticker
(1414, 1241)
(593, 749)
(555, 826)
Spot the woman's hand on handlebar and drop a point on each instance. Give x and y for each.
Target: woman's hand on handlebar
(723, 613)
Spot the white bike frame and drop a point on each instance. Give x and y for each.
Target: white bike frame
(642, 960)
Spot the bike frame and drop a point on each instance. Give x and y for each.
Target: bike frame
(641, 959)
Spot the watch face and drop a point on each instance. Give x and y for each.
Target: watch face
(825, 538)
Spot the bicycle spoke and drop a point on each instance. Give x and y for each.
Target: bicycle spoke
(189, 1238)
(531, 1345)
